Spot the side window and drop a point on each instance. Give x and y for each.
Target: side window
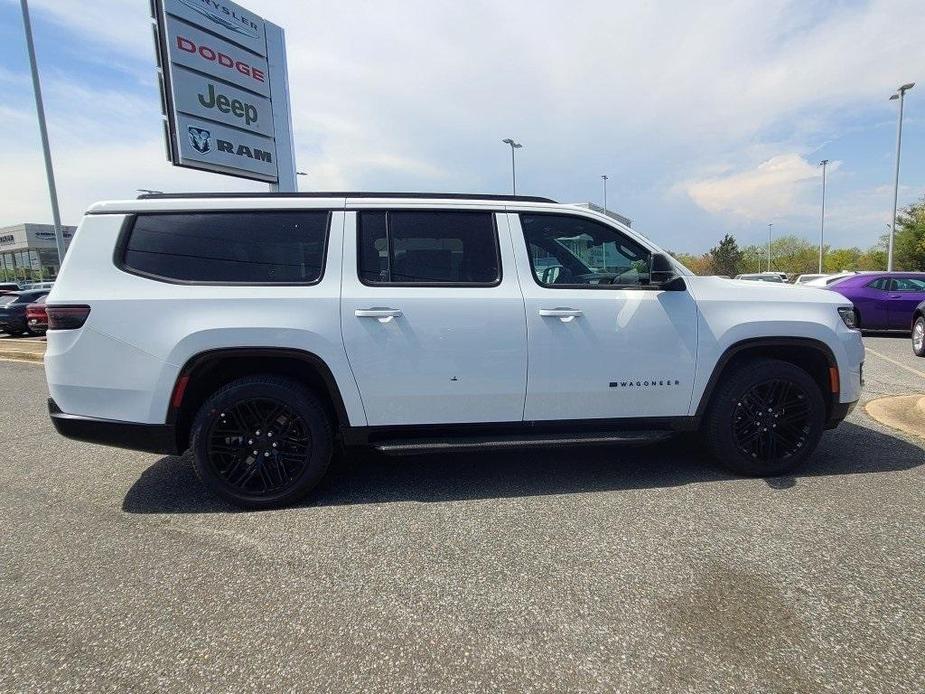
(229, 247)
(439, 247)
(572, 251)
(880, 284)
(908, 284)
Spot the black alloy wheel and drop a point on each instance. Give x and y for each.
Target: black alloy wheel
(259, 446)
(765, 418)
(771, 421)
(262, 441)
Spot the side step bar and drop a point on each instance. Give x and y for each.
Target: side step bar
(478, 443)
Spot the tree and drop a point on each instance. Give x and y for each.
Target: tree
(726, 258)
(794, 255)
(909, 242)
(842, 259)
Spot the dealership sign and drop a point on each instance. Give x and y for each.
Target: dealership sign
(225, 90)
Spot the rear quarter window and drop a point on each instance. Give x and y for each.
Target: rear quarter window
(228, 247)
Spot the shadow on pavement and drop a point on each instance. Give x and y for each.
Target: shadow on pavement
(360, 477)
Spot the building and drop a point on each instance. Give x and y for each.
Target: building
(28, 251)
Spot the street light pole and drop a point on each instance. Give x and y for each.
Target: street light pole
(43, 131)
(769, 246)
(604, 179)
(824, 163)
(514, 145)
(900, 94)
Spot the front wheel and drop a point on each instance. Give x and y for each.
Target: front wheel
(262, 442)
(765, 419)
(918, 336)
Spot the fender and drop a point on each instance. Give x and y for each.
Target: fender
(771, 342)
(203, 359)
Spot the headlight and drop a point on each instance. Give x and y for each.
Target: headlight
(848, 316)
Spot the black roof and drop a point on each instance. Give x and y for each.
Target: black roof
(351, 194)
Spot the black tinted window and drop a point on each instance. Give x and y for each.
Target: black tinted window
(428, 248)
(230, 247)
(576, 251)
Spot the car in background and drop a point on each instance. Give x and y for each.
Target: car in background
(803, 279)
(826, 280)
(7, 287)
(918, 330)
(37, 316)
(38, 285)
(776, 277)
(883, 300)
(13, 310)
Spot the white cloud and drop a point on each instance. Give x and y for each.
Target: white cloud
(776, 187)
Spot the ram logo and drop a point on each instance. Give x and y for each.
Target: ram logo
(200, 139)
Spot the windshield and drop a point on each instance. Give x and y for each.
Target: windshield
(8, 299)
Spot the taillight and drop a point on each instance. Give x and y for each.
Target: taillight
(67, 317)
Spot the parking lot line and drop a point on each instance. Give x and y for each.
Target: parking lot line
(896, 363)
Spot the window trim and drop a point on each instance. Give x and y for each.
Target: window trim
(461, 285)
(595, 287)
(128, 226)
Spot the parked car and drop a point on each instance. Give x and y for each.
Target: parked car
(918, 330)
(7, 287)
(803, 279)
(883, 300)
(775, 277)
(38, 285)
(37, 317)
(259, 334)
(826, 280)
(13, 310)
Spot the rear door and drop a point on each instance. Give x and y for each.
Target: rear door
(432, 316)
(905, 294)
(601, 342)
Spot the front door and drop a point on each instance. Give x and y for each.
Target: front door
(601, 342)
(432, 317)
(905, 294)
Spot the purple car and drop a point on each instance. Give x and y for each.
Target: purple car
(883, 300)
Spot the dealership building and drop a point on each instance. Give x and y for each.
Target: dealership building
(29, 250)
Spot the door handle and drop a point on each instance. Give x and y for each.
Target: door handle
(895, 296)
(384, 315)
(563, 314)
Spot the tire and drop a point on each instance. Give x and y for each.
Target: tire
(739, 409)
(238, 419)
(918, 337)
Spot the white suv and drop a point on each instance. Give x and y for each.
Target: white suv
(261, 330)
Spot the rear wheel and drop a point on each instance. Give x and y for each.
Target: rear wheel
(766, 418)
(262, 442)
(918, 336)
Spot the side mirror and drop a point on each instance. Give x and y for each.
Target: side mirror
(663, 275)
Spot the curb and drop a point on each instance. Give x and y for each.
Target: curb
(21, 355)
(905, 413)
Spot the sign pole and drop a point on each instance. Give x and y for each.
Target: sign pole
(46, 150)
(282, 120)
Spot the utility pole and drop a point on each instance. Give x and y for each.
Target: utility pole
(769, 246)
(514, 145)
(900, 94)
(43, 131)
(824, 163)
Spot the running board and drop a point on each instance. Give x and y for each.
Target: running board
(479, 443)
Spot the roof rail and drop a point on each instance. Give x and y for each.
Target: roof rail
(351, 194)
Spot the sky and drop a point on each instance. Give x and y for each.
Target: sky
(708, 118)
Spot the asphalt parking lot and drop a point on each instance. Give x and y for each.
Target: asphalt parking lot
(590, 569)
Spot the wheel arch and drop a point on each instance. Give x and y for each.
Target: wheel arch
(207, 371)
(813, 356)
